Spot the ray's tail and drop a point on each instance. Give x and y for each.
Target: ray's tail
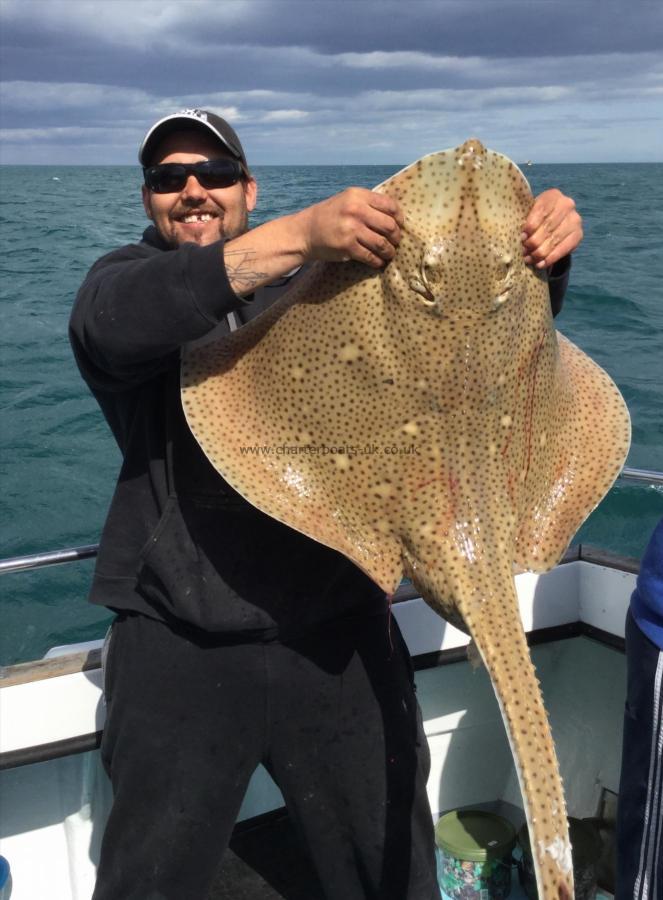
(495, 625)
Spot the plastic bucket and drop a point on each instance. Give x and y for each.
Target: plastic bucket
(474, 858)
(586, 847)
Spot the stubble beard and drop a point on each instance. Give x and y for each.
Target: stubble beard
(174, 242)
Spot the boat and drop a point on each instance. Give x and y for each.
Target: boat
(56, 796)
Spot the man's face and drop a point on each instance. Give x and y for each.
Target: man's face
(196, 214)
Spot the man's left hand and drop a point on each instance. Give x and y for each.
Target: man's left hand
(552, 229)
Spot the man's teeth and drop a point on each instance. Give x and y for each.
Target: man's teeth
(197, 217)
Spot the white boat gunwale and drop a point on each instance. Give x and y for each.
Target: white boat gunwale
(89, 660)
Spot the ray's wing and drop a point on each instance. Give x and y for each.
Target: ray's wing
(285, 410)
(589, 439)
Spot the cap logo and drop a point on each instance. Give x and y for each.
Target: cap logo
(198, 113)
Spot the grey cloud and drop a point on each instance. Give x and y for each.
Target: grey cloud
(339, 75)
(285, 69)
(463, 27)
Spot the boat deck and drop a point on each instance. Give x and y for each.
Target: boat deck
(266, 861)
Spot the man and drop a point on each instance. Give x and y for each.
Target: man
(238, 640)
(640, 808)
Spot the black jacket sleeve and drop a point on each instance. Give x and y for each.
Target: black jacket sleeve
(558, 280)
(139, 304)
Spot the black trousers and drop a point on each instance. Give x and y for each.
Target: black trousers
(640, 808)
(335, 721)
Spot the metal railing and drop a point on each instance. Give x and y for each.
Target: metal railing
(72, 554)
(646, 476)
(50, 558)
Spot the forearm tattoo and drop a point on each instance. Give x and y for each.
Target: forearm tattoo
(241, 272)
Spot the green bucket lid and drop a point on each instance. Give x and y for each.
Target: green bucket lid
(475, 835)
(586, 841)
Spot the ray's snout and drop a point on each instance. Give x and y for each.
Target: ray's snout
(472, 153)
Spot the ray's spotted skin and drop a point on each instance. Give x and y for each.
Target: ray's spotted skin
(428, 420)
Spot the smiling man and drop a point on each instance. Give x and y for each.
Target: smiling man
(239, 641)
(196, 194)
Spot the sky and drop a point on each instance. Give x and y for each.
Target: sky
(335, 81)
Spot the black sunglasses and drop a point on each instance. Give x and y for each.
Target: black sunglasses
(170, 178)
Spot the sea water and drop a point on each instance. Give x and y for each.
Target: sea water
(58, 459)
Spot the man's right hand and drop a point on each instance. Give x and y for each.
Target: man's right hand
(356, 224)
